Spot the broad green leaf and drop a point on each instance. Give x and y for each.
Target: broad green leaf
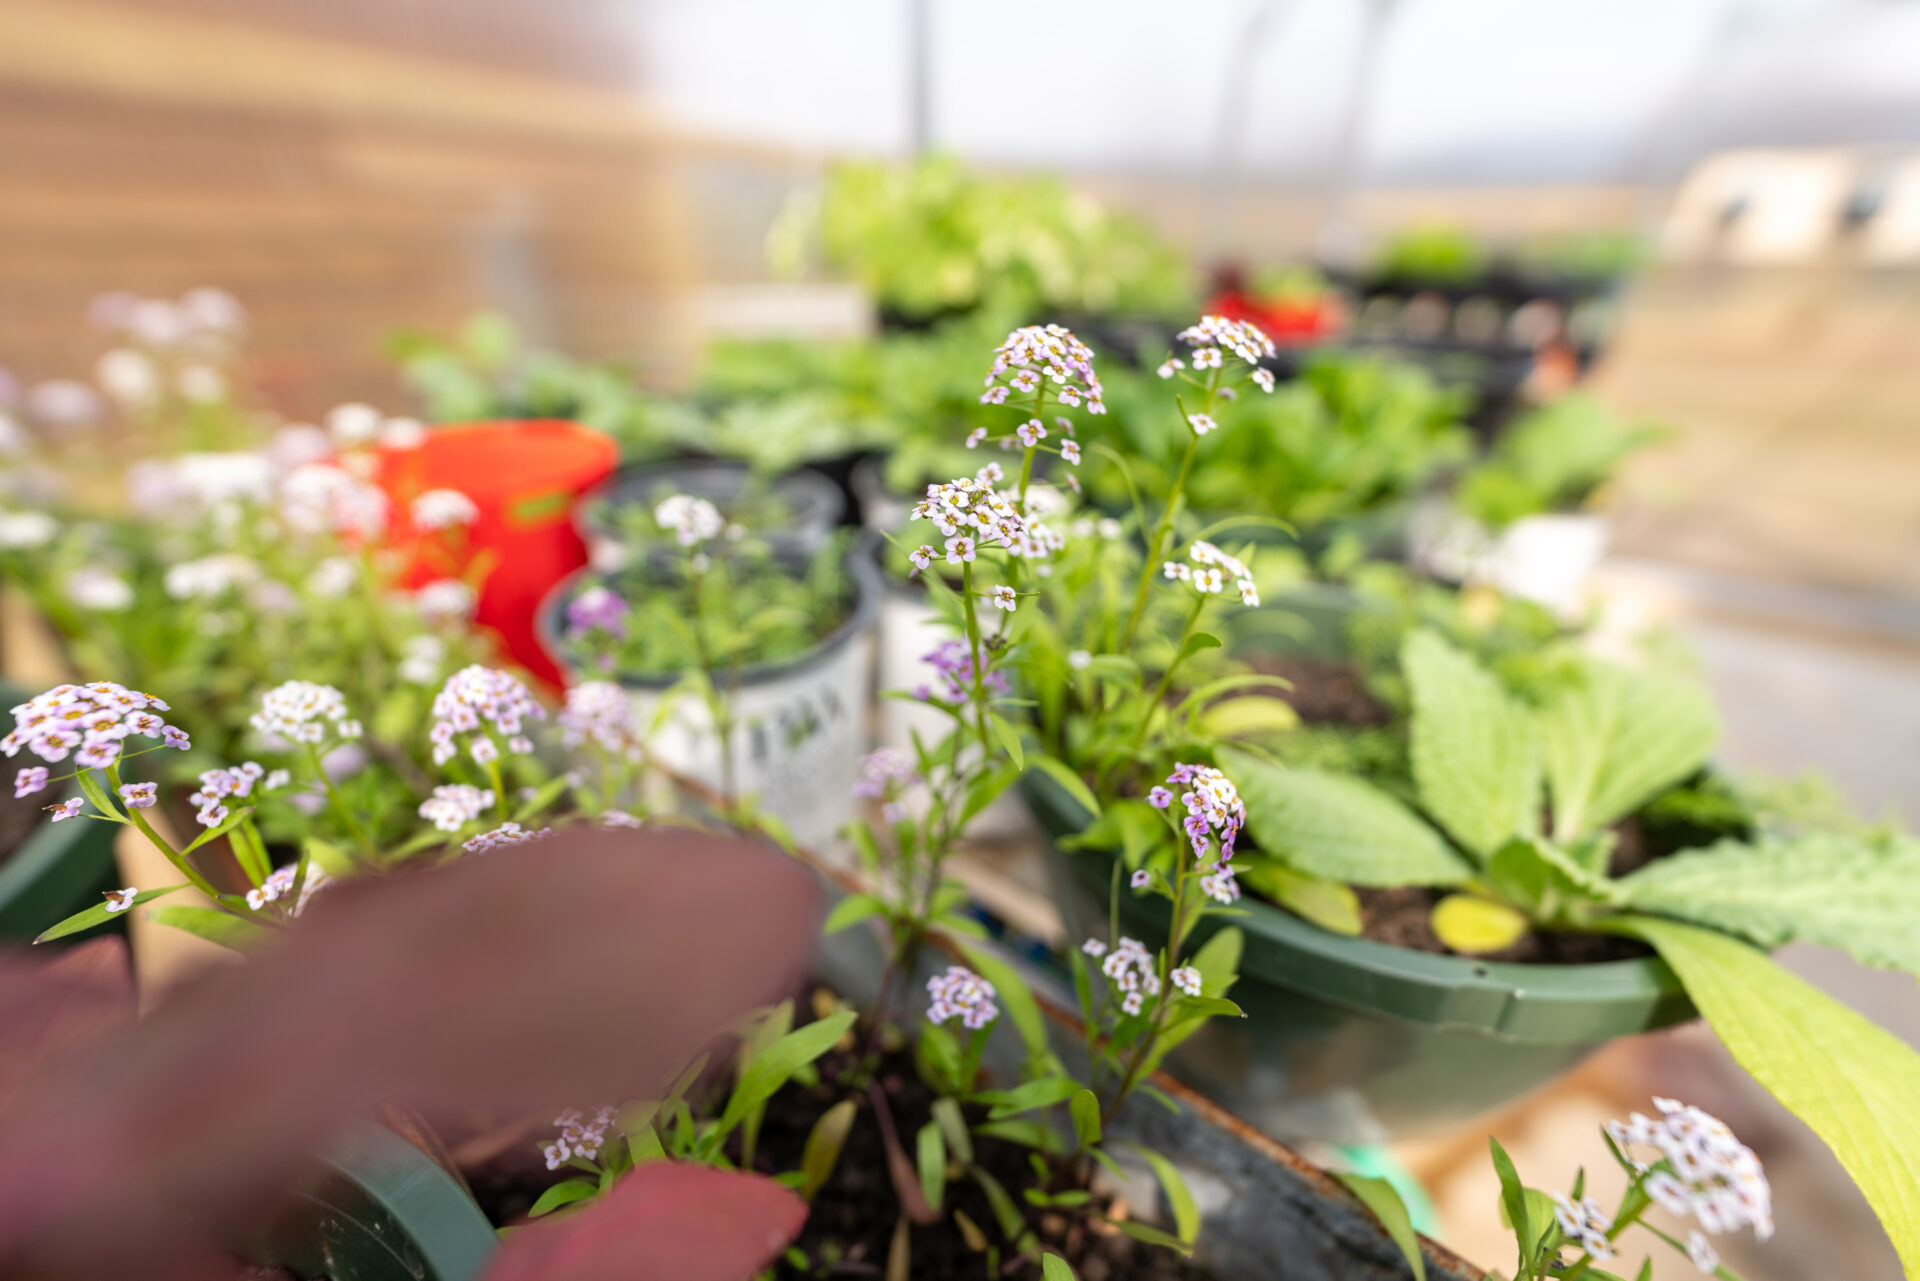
(1015, 997)
(851, 910)
(1616, 737)
(1055, 1268)
(1186, 1215)
(211, 924)
(1086, 1117)
(1025, 1097)
(565, 1193)
(1384, 1203)
(1218, 961)
(1197, 643)
(1542, 879)
(1854, 1082)
(1822, 888)
(1252, 714)
(1476, 752)
(772, 1067)
(1076, 787)
(1338, 828)
(1513, 1200)
(1473, 925)
(87, 918)
(937, 1055)
(331, 859)
(1328, 904)
(233, 820)
(930, 1157)
(824, 1142)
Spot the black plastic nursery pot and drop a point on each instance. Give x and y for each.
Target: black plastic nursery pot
(58, 869)
(811, 504)
(377, 1208)
(1351, 1040)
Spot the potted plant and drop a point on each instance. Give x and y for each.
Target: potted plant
(800, 507)
(750, 660)
(1520, 518)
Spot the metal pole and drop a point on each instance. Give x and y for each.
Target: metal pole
(919, 76)
(1338, 242)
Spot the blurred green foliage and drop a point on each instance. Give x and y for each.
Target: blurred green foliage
(1554, 459)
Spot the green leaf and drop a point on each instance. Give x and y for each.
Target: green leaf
(931, 1159)
(937, 1055)
(233, 820)
(1009, 738)
(1005, 1212)
(1328, 904)
(91, 788)
(1055, 1268)
(560, 1194)
(1821, 888)
(331, 859)
(1218, 961)
(1253, 714)
(1383, 1202)
(1153, 1236)
(1085, 1108)
(1543, 880)
(1076, 787)
(1616, 737)
(970, 1231)
(1338, 828)
(1473, 925)
(87, 918)
(824, 1143)
(211, 924)
(1197, 643)
(1032, 1134)
(1016, 998)
(1186, 1215)
(1853, 1082)
(1476, 752)
(549, 792)
(772, 1067)
(851, 910)
(953, 1125)
(1513, 1199)
(1025, 1097)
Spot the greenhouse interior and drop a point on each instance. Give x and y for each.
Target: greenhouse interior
(1247, 639)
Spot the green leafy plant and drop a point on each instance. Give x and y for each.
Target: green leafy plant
(1431, 253)
(1556, 458)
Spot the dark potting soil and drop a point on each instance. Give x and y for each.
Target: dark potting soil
(1327, 692)
(854, 1215)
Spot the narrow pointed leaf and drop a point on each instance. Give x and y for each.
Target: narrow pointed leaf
(87, 918)
(212, 924)
(1383, 1201)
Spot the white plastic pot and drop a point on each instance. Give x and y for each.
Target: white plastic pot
(800, 728)
(1548, 559)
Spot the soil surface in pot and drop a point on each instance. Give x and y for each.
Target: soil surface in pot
(1334, 695)
(849, 1229)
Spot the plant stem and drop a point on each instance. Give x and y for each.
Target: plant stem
(1165, 524)
(178, 859)
(339, 802)
(1166, 679)
(717, 707)
(977, 649)
(1174, 939)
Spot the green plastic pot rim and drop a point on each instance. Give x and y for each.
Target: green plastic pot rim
(867, 591)
(1365, 974)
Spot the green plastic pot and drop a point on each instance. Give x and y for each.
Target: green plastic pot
(62, 868)
(1348, 1040)
(379, 1209)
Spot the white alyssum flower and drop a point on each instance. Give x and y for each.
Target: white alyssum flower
(200, 383)
(420, 659)
(1006, 598)
(1131, 968)
(354, 425)
(130, 377)
(504, 836)
(1209, 572)
(305, 712)
(20, 530)
(1585, 1223)
(99, 590)
(475, 700)
(1044, 351)
(218, 786)
(318, 498)
(692, 521)
(580, 1136)
(445, 599)
(89, 722)
(333, 577)
(1701, 1169)
(1187, 979)
(443, 509)
(120, 900)
(454, 805)
(961, 994)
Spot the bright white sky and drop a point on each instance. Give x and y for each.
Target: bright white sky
(1466, 89)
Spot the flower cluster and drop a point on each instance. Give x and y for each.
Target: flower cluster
(1213, 806)
(472, 699)
(1221, 886)
(884, 774)
(319, 498)
(444, 598)
(1583, 1221)
(961, 994)
(1210, 569)
(420, 659)
(596, 610)
(210, 577)
(952, 661)
(692, 521)
(503, 836)
(279, 884)
(1130, 966)
(304, 712)
(1708, 1173)
(970, 516)
(1048, 351)
(453, 806)
(601, 713)
(1187, 979)
(218, 786)
(92, 722)
(580, 1136)
(1245, 340)
(443, 509)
